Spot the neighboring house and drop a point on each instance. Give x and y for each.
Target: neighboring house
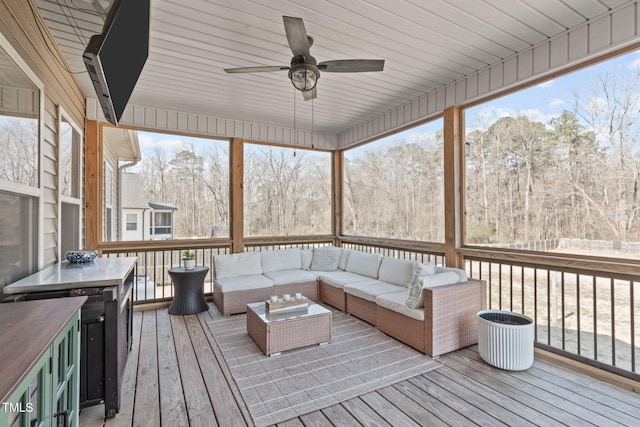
(135, 207)
(142, 219)
(121, 150)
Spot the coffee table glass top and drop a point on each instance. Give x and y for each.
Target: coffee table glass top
(259, 308)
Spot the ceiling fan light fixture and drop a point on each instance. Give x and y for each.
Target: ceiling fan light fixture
(304, 76)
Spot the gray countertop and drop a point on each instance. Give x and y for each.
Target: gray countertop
(65, 275)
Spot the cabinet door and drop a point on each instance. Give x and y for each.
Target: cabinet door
(66, 375)
(30, 405)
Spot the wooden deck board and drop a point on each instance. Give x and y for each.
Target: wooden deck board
(146, 411)
(172, 403)
(176, 376)
(364, 414)
(199, 408)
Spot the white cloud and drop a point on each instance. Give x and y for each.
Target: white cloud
(556, 102)
(547, 83)
(149, 143)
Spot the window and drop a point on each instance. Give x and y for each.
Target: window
(69, 179)
(69, 150)
(161, 223)
(20, 107)
(132, 222)
(286, 191)
(18, 237)
(394, 187)
(179, 186)
(556, 167)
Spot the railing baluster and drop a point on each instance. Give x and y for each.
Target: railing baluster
(613, 324)
(563, 310)
(633, 329)
(579, 351)
(595, 319)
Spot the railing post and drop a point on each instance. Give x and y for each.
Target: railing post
(236, 195)
(337, 184)
(93, 184)
(454, 164)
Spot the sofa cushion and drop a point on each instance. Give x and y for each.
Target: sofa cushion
(396, 271)
(244, 283)
(369, 289)
(237, 265)
(364, 264)
(344, 258)
(419, 282)
(306, 255)
(325, 258)
(287, 277)
(339, 278)
(283, 259)
(395, 301)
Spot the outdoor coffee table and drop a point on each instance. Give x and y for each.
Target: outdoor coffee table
(286, 330)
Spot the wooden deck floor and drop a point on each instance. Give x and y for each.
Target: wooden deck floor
(173, 378)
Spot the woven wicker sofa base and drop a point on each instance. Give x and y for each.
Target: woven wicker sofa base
(362, 309)
(450, 322)
(333, 296)
(236, 302)
(404, 329)
(308, 289)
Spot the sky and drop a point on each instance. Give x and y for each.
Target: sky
(540, 103)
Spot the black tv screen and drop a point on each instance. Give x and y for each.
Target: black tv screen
(115, 58)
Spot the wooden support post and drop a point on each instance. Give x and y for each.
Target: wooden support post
(337, 184)
(93, 185)
(454, 167)
(236, 195)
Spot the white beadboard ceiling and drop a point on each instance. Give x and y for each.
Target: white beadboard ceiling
(426, 45)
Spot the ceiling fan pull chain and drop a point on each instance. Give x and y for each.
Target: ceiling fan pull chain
(312, 124)
(295, 131)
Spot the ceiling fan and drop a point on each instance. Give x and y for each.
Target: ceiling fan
(304, 71)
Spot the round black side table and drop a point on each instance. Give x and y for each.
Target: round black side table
(188, 288)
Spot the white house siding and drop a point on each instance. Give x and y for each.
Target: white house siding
(26, 35)
(49, 175)
(614, 30)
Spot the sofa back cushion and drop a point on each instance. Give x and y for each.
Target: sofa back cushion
(344, 258)
(306, 255)
(236, 265)
(283, 259)
(364, 264)
(325, 258)
(396, 271)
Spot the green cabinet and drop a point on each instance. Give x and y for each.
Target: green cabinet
(46, 394)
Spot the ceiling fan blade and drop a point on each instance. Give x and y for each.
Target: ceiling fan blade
(296, 36)
(351, 65)
(308, 95)
(255, 69)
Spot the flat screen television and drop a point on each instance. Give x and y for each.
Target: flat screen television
(115, 58)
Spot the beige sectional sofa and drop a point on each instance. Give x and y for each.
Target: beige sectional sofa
(432, 309)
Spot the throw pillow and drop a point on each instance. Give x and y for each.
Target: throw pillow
(421, 272)
(325, 259)
(364, 264)
(415, 287)
(421, 282)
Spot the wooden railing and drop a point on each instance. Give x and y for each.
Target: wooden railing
(152, 282)
(585, 308)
